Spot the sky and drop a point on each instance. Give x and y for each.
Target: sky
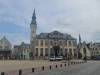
(68, 16)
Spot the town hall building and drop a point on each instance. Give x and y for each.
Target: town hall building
(55, 43)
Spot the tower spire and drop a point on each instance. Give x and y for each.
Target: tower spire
(79, 38)
(34, 18)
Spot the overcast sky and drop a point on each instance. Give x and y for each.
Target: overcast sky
(68, 16)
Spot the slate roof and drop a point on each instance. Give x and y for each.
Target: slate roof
(55, 35)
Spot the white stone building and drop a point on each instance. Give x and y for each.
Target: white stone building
(5, 48)
(95, 48)
(22, 51)
(42, 45)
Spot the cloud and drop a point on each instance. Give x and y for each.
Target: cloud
(68, 16)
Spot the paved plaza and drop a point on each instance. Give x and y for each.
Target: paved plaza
(11, 65)
(90, 68)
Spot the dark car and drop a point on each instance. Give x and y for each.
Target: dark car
(96, 57)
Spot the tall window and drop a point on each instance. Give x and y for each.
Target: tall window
(61, 51)
(37, 42)
(36, 52)
(41, 42)
(66, 51)
(46, 42)
(69, 43)
(46, 51)
(60, 42)
(41, 52)
(65, 43)
(70, 51)
(51, 52)
(75, 53)
(74, 43)
(51, 43)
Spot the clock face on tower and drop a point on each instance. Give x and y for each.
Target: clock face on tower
(33, 35)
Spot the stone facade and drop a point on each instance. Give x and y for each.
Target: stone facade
(95, 48)
(5, 48)
(45, 42)
(22, 51)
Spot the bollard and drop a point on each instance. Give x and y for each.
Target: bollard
(2, 73)
(50, 67)
(43, 68)
(68, 64)
(74, 62)
(71, 63)
(33, 69)
(65, 64)
(20, 72)
(60, 65)
(56, 66)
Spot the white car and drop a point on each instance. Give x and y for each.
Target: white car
(53, 58)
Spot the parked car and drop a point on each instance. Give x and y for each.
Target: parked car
(97, 57)
(58, 58)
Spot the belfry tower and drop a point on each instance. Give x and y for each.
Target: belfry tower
(33, 27)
